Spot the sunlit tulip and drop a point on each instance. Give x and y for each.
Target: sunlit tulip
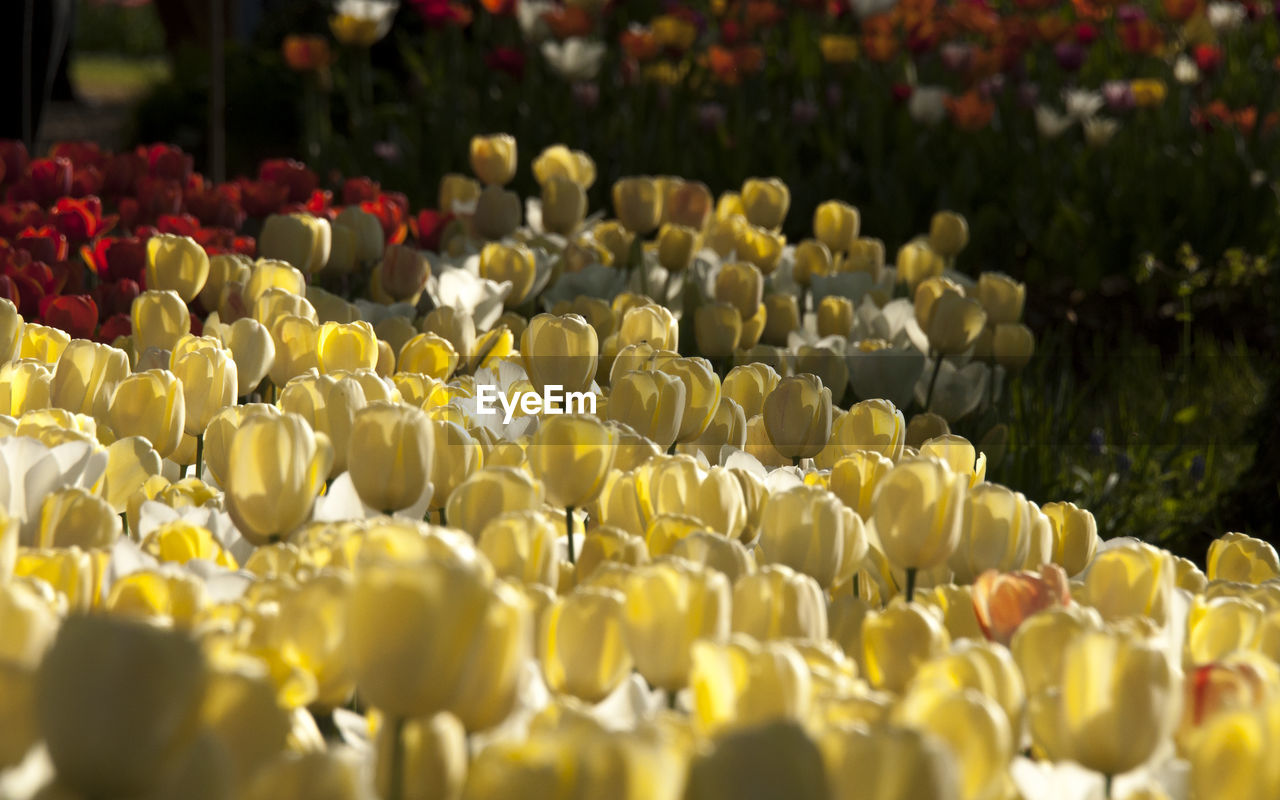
(753, 329)
(741, 285)
(73, 517)
(454, 325)
(865, 255)
(253, 350)
(178, 263)
(434, 758)
(948, 233)
(493, 158)
(559, 161)
(160, 319)
(514, 263)
(1133, 579)
(11, 330)
(889, 763)
(564, 205)
(150, 404)
(973, 726)
(495, 344)
(521, 546)
(797, 415)
(917, 261)
(86, 376)
(329, 404)
(273, 274)
(279, 468)
(295, 341)
(779, 603)
(812, 259)
(749, 385)
(299, 239)
(665, 530)
(1116, 702)
(702, 394)
(571, 455)
(1001, 296)
(897, 641)
(995, 532)
(669, 605)
(761, 247)
(428, 354)
(712, 496)
(218, 436)
(434, 635)
(836, 225)
(676, 245)
(346, 347)
(210, 383)
(835, 316)
(147, 684)
(650, 402)
(874, 425)
(581, 645)
(25, 386)
(855, 477)
(1241, 558)
(1075, 536)
(728, 426)
(490, 492)
(242, 709)
(561, 351)
(43, 344)
(1221, 626)
(811, 531)
(745, 683)
(765, 202)
(389, 457)
(918, 511)
(1003, 601)
(637, 203)
(717, 329)
(650, 323)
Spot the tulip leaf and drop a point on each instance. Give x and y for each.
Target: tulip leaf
(1187, 415)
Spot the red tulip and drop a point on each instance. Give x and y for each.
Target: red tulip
(168, 162)
(1208, 57)
(44, 244)
(1002, 600)
(116, 297)
(15, 157)
(506, 59)
(293, 175)
(76, 314)
(114, 327)
(359, 190)
(81, 154)
(14, 217)
(121, 173)
(391, 210)
(80, 220)
(262, 198)
(428, 226)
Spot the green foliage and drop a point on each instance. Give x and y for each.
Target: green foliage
(128, 29)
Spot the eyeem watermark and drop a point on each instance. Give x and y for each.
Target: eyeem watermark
(553, 399)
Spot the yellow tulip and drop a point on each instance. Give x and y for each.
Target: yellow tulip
(637, 203)
(797, 416)
(218, 436)
(1219, 627)
(1041, 640)
(779, 603)
(74, 517)
(559, 161)
(1116, 703)
(26, 386)
(875, 425)
(400, 276)
(150, 404)
(253, 350)
(917, 512)
(865, 255)
(210, 383)
(458, 327)
(490, 492)
(995, 532)
(855, 477)
(1241, 681)
(1013, 345)
(160, 319)
(437, 634)
(295, 341)
(973, 727)
(835, 316)
(749, 385)
(652, 403)
(581, 646)
(917, 261)
(953, 323)
(178, 263)
(717, 329)
(521, 546)
(728, 426)
(948, 233)
(455, 456)
(1132, 579)
(712, 496)
(897, 641)
(560, 351)
(571, 455)
(665, 530)
(836, 225)
(702, 394)
(1241, 558)
(1235, 754)
(11, 331)
(346, 347)
(607, 543)
(1075, 536)
(650, 323)
(1001, 296)
(812, 258)
(742, 763)
(810, 530)
(564, 205)
(434, 753)
(712, 550)
(86, 376)
(280, 467)
(669, 605)
(765, 202)
(514, 263)
(299, 239)
(389, 456)
(493, 158)
(889, 763)
(761, 247)
(742, 683)
(175, 598)
(366, 230)
(826, 363)
(676, 246)
(148, 685)
(741, 285)
(456, 189)
(18, 730)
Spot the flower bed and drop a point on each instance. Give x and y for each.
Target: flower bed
(264, 535)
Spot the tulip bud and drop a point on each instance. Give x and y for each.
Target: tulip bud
(564, 206)
(652, 403)
(402, 273)
(835, 316)
(836, 225)
(650, 323)
(1013, 346)
(490, 492)
(676, 246)
(346, 347)
(637, 203)
(809, 530)
(299, 239)
(889, 763)
(160, 319)
(743, 683)
(1124, 726)
(493, 158)
(717, 329)
(150, 404)
(1003, 601)
(865, 255)
(253, 350)
(390, 455)
(995, 532)
(148, 683)
(740, 285)
(86, 376)
(560, 351)
(728, 426)
(916, 262)
(702, 394)
(1001, 296)
(44, 344)
(209, 382)
(1075, 536)
(73, 517)
(765, 202)
(581, 645)
(571, 455)
(918, 512)
(1241, 558)
(514, 263)
(370, 241)
(268, 496)
(749, 385)
(11, 330)
(434, 756)
(430, 355)
(1131, 580)
(559, 161)
(743, 761)
(689, 204)
(761, 247)
(669, 605)
(521, 546)
(452, 324)
(457, 190)
(812, 258)
(178, 263)
(24, 386)
(782, 316)
(419, 661)
(797, 415)
(295, 341)
(954, 323)
(779, 603)
(948, 233)
(897, 641)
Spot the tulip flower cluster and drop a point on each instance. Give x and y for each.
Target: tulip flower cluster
(291, 554)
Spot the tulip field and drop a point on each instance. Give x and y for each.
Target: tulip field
(572, 477)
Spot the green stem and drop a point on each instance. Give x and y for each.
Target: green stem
(199, 454)
(933, 380)
(568, 531)
(124, 520)
(911, 583)
(443, 519)
(395, 791)
(671, 699)
(635, 260)
(1107, 784)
